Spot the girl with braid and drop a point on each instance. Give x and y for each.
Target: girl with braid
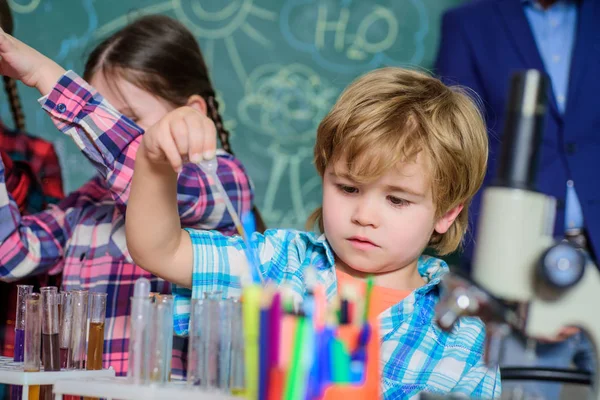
(32, 176)
(151, 68)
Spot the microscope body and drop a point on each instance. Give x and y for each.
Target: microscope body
(515, 231)
(522, 277)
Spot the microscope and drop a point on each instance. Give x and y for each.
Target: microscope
(522, 277)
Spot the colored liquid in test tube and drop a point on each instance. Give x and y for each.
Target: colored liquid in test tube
(50, 344)
(96, 331)
(77, 346)
(33, 340)
(45, 292)
(66, 318)
(22, 292)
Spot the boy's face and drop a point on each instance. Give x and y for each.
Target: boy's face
(382, 226)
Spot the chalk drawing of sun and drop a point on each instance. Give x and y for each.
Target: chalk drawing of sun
(215, 22)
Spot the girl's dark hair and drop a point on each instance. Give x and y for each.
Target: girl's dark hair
(10, 85)
(161, 56)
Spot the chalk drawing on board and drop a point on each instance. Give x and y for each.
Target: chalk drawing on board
(24, 7)
(350, 37)
(124, 19)
(224, 19)
(219, 23)
(74, 42)
(284, 104)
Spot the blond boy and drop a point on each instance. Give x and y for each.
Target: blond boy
(401, 156)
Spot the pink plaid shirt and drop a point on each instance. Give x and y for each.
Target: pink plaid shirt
(84, 234)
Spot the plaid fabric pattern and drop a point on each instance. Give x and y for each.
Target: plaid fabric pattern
(34, 179)
(84, 235)
(416, 355)
(40, 156)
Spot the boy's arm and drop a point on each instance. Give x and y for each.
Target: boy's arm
(479, 381)
(111, 141)
(155, 239)
(220, 265)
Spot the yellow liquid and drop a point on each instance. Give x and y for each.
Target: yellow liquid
(95, 346)
(34, 392)
(238, 391)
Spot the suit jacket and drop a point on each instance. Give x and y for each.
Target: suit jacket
(482, 44)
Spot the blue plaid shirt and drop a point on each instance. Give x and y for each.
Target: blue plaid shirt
(416, 355)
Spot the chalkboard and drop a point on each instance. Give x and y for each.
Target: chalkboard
(278, 66)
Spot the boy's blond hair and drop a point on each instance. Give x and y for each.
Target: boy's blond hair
(389, 116)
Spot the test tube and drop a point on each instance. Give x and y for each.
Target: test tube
(161, 338)
(224, 315)
(198, 322)
(237, 367)
(139, 332)
(78, 330)
(95, 347)
(33, 325)
(22, 292)
(43, 291)
(50, 327)
(212, 345)
(66, 318)
(168, 300)
(96, 331)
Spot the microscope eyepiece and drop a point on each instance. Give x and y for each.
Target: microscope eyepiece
(522, 132)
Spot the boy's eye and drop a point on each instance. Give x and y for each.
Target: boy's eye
(347, 189)
(397, 201)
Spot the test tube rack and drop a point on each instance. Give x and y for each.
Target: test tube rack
(11, 373)
(123, 389)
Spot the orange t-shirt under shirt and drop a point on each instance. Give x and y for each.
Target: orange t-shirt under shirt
(382, 298)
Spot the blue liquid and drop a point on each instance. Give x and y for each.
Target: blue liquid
(17, 391)
(19, 345)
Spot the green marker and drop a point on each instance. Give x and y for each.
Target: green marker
(368, 298)
(295, 385)
(341, 362)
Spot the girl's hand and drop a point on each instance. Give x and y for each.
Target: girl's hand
(19, 61)
(182, 135)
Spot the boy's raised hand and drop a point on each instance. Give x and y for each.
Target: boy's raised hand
(19, 61)
(184, 134)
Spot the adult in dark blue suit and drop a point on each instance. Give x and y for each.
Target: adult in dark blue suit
(483, 43)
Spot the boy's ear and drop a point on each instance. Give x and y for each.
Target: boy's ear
(445, 222)
(197, 102)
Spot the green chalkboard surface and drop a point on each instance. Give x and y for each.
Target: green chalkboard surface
(278, 66)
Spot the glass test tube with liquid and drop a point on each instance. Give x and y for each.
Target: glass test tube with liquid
(77, 346)
(33, 340)
(66, 318)
(50, 342)
(97, 304)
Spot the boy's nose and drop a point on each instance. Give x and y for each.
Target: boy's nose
(366, 214)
